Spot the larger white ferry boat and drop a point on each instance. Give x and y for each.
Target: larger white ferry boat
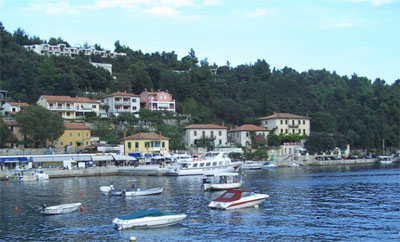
(212, 162)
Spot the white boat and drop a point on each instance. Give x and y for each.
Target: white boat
(117, 192)
(106, 189)
(142, 191)
(213, 162)
(237, 198)
(151, 218)
(60, 209)
(221, 181)
(41, 175)
(22, 175)
(251, 165)
(385, 159)
(268, 165)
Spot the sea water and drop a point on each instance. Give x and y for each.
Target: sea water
(340, 203)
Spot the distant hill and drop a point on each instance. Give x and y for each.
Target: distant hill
(362, 112)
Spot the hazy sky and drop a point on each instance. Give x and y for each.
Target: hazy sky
(346, 36)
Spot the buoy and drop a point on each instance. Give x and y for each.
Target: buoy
(194, 220)
(16, 209)
(81, 208)
(132, 238)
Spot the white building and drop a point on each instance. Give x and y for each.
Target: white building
(119, 102)
(242, 135)
(63, 50)
(194, 132)
(70, 107)
(286, 123)
(13, 107)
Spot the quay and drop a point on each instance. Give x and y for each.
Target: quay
(156, 170)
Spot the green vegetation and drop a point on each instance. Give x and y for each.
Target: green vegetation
(40, 124)
(350, 109)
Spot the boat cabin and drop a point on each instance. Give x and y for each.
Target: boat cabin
(222, 178)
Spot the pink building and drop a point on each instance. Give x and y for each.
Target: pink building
(157, 101)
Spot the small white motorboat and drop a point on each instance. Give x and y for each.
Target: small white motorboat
(151, 218)
(22, 175)
(384, 159)
(117, 192)
(237, 198)
(268, 165)
(60, 209)
(221, 181)
(251, 165)
(142, 191)
(40, 174)
(106, 189)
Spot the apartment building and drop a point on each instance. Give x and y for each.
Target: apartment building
(287, 123)
(119, 102)
(146, 143)
(194, 132)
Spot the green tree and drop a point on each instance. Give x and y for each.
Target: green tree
(40, 124)
(5, 133)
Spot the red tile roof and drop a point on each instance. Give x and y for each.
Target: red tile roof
(284, 116)
(18, 104)
(205, 126)
(76, 126)
(249, 127)
(146, 136)
(51, 98)
(123, 94)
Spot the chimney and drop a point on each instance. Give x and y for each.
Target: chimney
(223, 123)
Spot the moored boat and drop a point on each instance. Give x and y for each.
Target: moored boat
(385, 159)
(40, 174)
(251, 165)
(142, 191)
(221, 181)
(150, 218)
(212, 162)
(22, 175)
(237, 198)
(268, 165)
(60, 209)
(106, 189)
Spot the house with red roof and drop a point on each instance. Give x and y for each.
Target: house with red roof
(157, 101)
(195, 132)
(13, 107)
(70, 107)
(243, 135)
(287, 123)
(119, 102)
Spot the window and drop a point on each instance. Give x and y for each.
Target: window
(61, 143)
(204, 134)
(220, 133)
(212, 134)
(247, 134)
(286, 131)
(68, 114)
(281, 121)
(87, 134)
(133, 100)
(215, 163)
(79, 134)
(137, 145)
(304, 132)
(292, 122)
(147, 144)
(70, 134)
(133, 107)
(195, 165)
(14, 110)
(201, 164)
(298, 122)
(220, 142)
(195, 133)
(208, 163)
(87, 142)
(286, 121)
(281, 131)
(221, 163)
(70, 143)
(129, 145)
(304, 122)
(94, 106)
(163, 144)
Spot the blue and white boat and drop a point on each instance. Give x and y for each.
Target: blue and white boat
(151, 218)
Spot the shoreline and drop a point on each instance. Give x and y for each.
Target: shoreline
(156, 170)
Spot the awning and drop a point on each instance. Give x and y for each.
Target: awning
(13, 159)
(123, 157)
(102, 157)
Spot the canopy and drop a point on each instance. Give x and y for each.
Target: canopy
(123, 157)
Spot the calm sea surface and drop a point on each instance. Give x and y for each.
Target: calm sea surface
(346, 203)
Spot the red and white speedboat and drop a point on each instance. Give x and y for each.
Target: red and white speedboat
(237, 198)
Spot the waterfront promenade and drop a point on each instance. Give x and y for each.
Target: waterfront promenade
(156, 170)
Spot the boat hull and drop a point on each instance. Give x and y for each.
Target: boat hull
(144, 192)
(202, 171)
(218, 187)
(148, 222)
(241, 203)
(61, 209)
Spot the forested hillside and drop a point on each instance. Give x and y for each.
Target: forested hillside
(360, 111)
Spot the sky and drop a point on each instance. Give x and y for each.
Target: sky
(349, 37)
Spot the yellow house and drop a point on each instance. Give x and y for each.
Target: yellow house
(146, 143)
(76, 135)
